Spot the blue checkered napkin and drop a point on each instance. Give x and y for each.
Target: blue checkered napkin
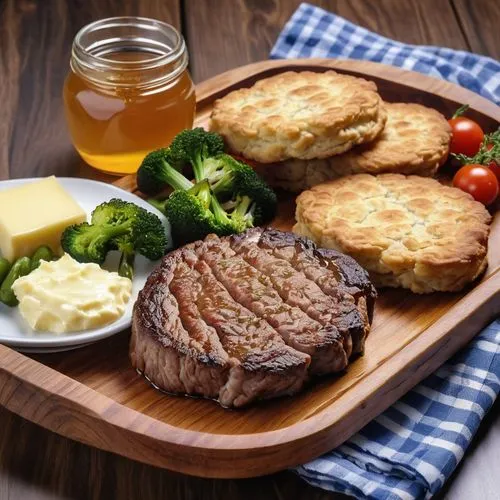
(313, 32)
(410, 450)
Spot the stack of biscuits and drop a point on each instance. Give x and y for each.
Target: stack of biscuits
(362, 162)
(306, 128)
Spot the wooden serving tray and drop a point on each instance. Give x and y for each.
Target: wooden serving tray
(94, 396)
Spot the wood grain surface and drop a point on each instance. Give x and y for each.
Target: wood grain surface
(479, 21)
(35, 42)
(35, 37)
(261, 21)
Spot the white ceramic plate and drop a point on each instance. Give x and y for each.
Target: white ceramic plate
(48, 350)
(13, 329)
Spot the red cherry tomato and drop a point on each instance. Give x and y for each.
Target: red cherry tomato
(479, 181)
(467, 136)
(494, 166)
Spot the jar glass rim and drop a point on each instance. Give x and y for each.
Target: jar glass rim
(84, 50)
(164, 47)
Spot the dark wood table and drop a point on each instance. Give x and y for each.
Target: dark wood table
(35, 41)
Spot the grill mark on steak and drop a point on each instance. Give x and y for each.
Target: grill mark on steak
(347, 317)
(297, 289)
(240, 331)
(177, 362)
(350, 312)
(186, 289)
(344, 268)
(354, 277)
(255, 349)
(255, 290)
(201, 343)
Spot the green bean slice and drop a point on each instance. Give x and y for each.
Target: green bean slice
(20, 268)
(4, 268)
(42, 253)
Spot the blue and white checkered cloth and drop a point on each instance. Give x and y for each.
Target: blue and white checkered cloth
(313, 32)
(411, 449)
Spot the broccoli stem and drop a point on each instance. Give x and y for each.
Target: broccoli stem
(219, 212)
(202, 191)
(158, 204)
(102, 234)
(224, 184)
(174, 178)
(214, 169)
(198, 169)
(244, 210)
(242, 207)
(126, 265)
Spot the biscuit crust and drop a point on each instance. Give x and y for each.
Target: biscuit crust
(299, 115)
(415, 140)
(406, 231)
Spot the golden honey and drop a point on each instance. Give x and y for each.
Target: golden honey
(128, 91)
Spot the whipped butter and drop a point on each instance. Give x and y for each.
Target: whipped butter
(67, 296)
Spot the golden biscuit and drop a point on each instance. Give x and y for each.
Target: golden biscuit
(299, 115)
(415, 140)
(410, 232)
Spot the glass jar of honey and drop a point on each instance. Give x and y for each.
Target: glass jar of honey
(128, 91)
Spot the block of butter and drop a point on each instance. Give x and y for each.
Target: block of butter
(35, 214)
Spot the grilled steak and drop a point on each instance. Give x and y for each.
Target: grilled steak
(249, 316)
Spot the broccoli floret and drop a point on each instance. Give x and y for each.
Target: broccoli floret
(146, 237)
(149, 237)
(114, 213)
(88, 243)
(228, 196)
(195, 213)
(236, 184)
(240, 188)
(116, 225)
(245, 201)
(164, 166)
(158, 170)
(195, 147)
